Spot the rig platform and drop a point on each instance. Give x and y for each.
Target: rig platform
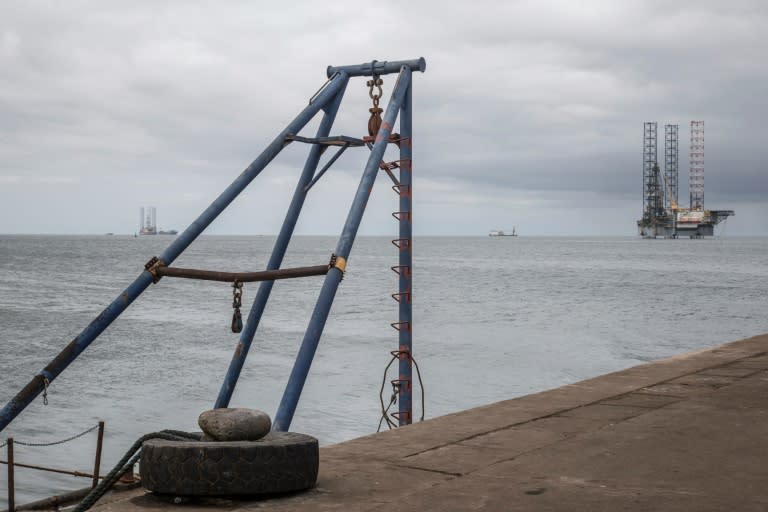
(682, 223)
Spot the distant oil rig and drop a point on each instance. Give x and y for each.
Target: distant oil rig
(148, 223)
(663, 217)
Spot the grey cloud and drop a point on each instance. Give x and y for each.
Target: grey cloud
(539, 100)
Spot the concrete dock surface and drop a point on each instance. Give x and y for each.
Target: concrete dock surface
(685, 433)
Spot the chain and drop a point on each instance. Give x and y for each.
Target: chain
(374, 123)
(377, 82)
(45, 390)
(81, 434)
(237, 294)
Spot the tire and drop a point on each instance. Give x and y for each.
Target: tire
(279, 462)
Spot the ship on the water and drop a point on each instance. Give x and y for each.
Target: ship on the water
(499, 232)
(148, 223)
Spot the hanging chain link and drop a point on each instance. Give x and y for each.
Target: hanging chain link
(237, 294)
(46, 382)
(374, 123)
(53, 443)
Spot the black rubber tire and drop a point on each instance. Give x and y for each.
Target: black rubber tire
(280, 462)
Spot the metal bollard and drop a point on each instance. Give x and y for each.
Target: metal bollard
(11, 504)
(128, 477)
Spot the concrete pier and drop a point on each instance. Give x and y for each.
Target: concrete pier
(685, 433)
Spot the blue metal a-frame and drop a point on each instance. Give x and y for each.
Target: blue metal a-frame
(327, 99)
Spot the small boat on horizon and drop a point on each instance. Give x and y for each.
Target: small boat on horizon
(498, 232)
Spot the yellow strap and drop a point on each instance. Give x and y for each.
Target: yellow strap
(340, 263)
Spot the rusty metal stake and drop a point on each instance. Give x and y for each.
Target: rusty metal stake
(129, 477)
(97, 462)
(11, 504)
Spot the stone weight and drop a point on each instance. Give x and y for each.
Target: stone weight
(235, 424)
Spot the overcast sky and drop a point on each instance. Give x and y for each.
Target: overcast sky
(530, 114)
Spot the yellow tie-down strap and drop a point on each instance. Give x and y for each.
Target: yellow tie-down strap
(339, 262)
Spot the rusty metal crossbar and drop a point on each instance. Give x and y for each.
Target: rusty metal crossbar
(50, 470)
(243, 277)
(335, 140)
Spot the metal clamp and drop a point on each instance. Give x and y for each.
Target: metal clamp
(338, 262)
(152, 265)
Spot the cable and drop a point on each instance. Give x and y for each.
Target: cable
(385, 415)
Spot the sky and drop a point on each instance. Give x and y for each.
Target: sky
(529, 114)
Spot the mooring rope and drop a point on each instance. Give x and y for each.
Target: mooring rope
(52, 443)
(127, 462)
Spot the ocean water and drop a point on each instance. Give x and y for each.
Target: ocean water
(494, 318)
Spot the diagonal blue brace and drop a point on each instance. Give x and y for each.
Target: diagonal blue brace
(23, 398)
(304, 358)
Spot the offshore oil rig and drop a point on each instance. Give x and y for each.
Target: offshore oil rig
(663, 217)
(148, 224)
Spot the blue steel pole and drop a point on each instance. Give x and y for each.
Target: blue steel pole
(379, 67)
(40, 381)
(405, 398)
(301, 366)
(278, 252)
